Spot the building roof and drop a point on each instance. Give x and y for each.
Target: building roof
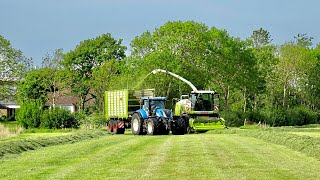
(64, 100)
(5, 104)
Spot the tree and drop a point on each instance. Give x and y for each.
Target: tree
(13, 65)
(229, 64)
(52, 68)
(291, 73)
(102, 79)
(88, 55)
(313, 84)
(303, 40)
(264, 51)
(34, 86)
(260, 38)
(177, 47)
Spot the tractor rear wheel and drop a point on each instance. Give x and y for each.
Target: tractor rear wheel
(153, 127)
(137, 124)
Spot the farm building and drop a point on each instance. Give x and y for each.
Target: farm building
(8, 108)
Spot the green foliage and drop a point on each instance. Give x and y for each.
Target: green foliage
(30, 113)
(233, 119)
(93, 121)
(88, 55)
(255, 116)
(57, 118)
(34, 86)
(102, 80)
(13, 65)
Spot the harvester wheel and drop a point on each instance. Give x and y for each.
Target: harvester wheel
(137, 124)
(179, 126)
(110, 126)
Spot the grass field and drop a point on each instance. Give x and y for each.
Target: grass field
(311, 134)
(194, 156)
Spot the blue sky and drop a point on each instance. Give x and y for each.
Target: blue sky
(40, 26)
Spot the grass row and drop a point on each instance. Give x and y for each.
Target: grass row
(21, 145)
(304, 143)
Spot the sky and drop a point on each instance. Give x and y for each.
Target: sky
(37, 27)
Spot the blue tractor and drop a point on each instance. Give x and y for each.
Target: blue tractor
(153, 119)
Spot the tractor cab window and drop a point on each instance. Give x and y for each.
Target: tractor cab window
(157, 104)
(204, 102)
(193, 100)
(145, 105)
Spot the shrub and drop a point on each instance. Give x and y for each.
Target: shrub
(58, 118)
(233, 119)
(29, 114)
(255, 116)
(308, 116)
(293, 117)
(93, 121)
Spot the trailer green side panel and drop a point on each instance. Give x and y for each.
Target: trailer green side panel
(116, 104)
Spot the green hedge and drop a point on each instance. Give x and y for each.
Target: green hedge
(297, 116)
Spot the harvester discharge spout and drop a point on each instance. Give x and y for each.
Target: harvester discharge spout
(194, 89)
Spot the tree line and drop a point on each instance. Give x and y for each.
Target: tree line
(257, 80)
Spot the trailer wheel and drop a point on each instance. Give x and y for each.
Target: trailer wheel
(179, 126)
(137, 124)
(110, 126)
(115, 127)
(121, 127)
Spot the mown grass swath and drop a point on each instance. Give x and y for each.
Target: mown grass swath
(20, 145)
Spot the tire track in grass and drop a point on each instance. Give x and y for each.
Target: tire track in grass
(104, 161)
(120, 161)
(158, 158)
(189, 159)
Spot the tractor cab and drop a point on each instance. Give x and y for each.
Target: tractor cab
(155, 106)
